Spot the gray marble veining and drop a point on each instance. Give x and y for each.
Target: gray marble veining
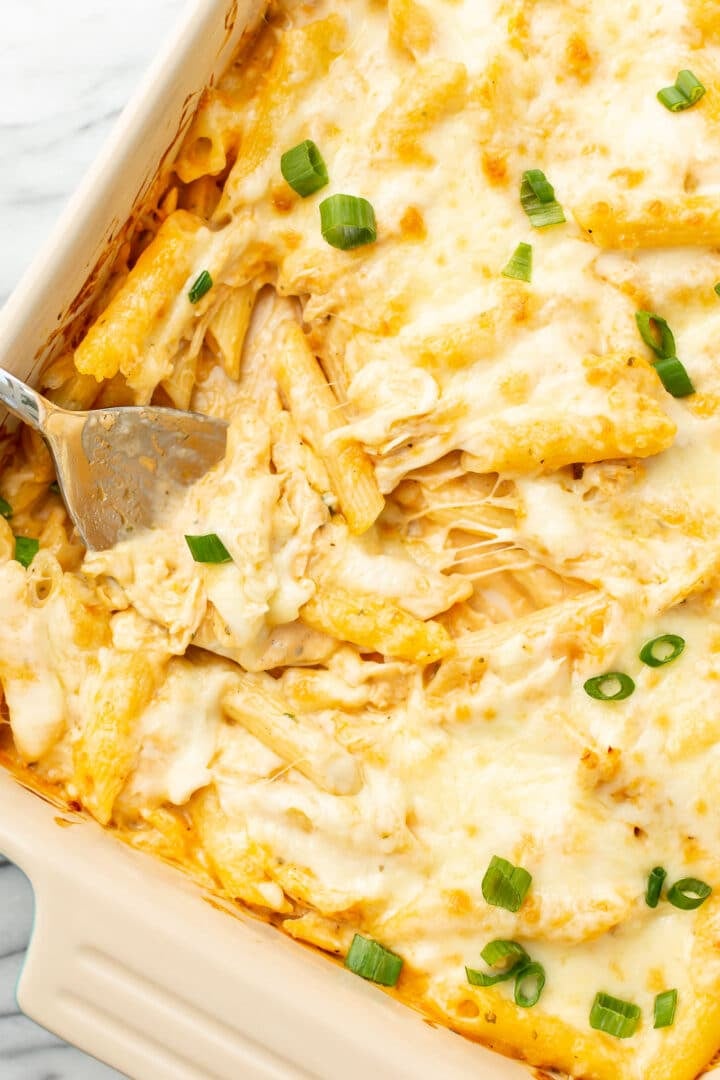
(66, 70)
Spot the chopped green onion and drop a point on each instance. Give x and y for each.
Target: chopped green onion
(505, 885)
(208, 549)
(304, 168)
(688, 893)
(656, 333)
(535, 973)
(373, 961)
(662, 650)
(540, 186)
(654, 886)
(497, 951)
(201, 286)
(347, 221)
(26, 548)
(483, 978)
(537, 198)
(674, 377)
(673, 99)
(614, 1016)
(686, 92)
(612, 686)
(6, 510)
(55, 488)
(520, 264)
(716, 287)
(665, 1006)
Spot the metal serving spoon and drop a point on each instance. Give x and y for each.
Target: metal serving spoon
(117, 467)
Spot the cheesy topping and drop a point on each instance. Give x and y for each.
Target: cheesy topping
(450, 498)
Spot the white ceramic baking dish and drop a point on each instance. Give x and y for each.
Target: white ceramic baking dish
(128, 959)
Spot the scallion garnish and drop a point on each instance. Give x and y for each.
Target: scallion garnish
(495, 953)
(520, 264)
(614, 1016)
(6, 510)
(483, 978)
(55, 488)
(674, 377)
(534, 975)
(656, 333)
(537, 198)
(662, 650)
(373, 961)
(505, 885)
(202, 285)
(686, 92)
(26, 548)
(612, 686)
(665, 1006)
(658, 336)
(347, 221)
(688, 893)
(716, 288)
(304, 169)
(208, 549)
(656, 878)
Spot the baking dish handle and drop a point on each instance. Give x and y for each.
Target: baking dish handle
(135, 964)
(113, 978)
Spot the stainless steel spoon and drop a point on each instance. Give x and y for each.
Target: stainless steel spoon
(117, 467)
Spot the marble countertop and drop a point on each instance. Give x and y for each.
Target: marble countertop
(66, 70)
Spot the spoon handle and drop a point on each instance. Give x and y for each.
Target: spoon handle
(23, 401)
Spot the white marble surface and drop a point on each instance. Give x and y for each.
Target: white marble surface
(66, 70)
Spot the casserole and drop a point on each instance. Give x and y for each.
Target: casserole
(636, 425)
(128, 960)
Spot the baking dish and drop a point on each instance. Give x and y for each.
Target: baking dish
(128, 959)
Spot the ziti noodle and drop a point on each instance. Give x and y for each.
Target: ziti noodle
(426, 672)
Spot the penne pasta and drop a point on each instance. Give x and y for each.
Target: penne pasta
(255, 703)
(315, 411)
(688, 221)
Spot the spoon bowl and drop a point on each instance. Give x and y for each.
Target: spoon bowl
(118, 468)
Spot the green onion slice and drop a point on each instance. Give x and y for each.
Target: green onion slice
(373, 961)
(673, 99)
(520, 264)
(495, 953)
(202, 285)
(665, 1006)
(655, 882)
(537, 198)
(304, 169)
(347, 221)
(686, 92)
(662, 650)
(532, 974)
(55, 488)
(484, 978)
(505, 885)
(614, 1016)
(688, 893)
(656, 333)
(26, 548)
(6, 509)
(674, 377)
(208, 549)
(716, 288)
(500, 950)
(612, 686)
